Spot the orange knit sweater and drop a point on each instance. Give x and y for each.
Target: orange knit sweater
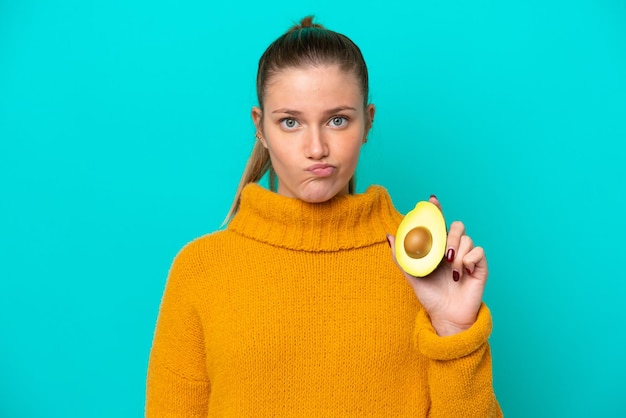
(297, 310)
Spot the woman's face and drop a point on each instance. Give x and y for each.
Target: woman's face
(313, 125)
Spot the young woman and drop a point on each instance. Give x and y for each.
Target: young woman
(298, 308)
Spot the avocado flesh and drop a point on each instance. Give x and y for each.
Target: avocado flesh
(421, 240)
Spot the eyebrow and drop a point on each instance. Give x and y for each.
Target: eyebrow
(328, 112)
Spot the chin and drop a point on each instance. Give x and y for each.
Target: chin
(313, 190)
(317, 199)
(321, 194)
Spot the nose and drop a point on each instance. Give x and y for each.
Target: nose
(316, 145)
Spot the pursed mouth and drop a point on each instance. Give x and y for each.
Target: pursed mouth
(321, 170)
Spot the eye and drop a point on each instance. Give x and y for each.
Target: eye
(289, 123)
(338, 121)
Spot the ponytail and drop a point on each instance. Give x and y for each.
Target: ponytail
(257, 166)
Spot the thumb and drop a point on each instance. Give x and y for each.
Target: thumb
(392, 243)
(411, 280)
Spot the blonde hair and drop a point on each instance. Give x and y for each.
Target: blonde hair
(306, 43)
(258, 165)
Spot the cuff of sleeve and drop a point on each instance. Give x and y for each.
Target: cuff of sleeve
(455, 346)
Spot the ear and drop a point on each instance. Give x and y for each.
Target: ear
(370, 110)
(257, 118)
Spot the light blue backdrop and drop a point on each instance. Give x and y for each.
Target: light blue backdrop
(124, 127)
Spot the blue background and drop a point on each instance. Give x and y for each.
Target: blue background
(125, 125)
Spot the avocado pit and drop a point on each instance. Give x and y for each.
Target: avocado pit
(418, 242)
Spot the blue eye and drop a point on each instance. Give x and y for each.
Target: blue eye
(289, 123)
(338, 121)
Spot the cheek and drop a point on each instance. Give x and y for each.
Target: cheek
(351, 152)
(281, 152)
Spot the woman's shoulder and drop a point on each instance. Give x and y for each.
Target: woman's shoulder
(203, 248)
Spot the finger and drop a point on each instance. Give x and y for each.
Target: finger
(457, 230)
(392, 243)
(433, 199)
(465, 246)
(475, 261)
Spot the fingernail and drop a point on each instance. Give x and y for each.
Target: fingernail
(468, 271)
(388, 242)
(455, 275)
(450, 255)
(432, 195)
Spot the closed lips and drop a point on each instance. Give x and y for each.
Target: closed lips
(321, 169)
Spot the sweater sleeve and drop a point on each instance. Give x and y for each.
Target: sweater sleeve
(459, 368)
(177, 382)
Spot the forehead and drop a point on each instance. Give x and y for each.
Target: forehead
(313, 86)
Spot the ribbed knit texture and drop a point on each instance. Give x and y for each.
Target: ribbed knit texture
(297, 310)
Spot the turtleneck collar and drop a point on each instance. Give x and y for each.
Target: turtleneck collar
(344, 222)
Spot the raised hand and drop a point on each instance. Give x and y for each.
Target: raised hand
(452, 294)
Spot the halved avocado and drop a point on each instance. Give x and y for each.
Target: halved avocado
(421, 240)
